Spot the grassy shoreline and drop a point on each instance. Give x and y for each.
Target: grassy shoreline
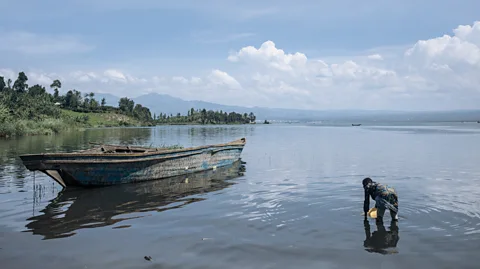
(77, 121)
(69, 121)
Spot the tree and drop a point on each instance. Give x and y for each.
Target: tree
(55, 86)
(37, 90)
(4, 113)
(78, 97)
(126, 105)
(252, 117)
(2, 84)
(69, 99)
(56, 94)
(142, 113)
(203, 115)
(93, 104)
(73, 99)
(20, 85)
(86, 101)
(104, 102)
(210, 116)
(9, 84)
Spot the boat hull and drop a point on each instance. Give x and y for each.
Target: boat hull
(77, 169)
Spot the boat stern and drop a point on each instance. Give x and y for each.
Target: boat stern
(33, 162)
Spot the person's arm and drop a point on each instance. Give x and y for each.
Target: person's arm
(366, 203)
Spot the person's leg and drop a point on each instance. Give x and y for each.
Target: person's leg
(380, 205)
(380, 213)
(394, 215)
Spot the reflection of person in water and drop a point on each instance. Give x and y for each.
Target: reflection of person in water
(381, 239)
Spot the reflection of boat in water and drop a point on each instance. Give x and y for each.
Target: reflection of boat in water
(113, 164)
(75, 209)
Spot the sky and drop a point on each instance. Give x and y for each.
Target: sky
(343, 54)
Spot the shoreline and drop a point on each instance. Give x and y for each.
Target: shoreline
(195, 124)
(51, 126)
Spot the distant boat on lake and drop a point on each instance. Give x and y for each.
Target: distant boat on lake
(113, 164)
(356, 124)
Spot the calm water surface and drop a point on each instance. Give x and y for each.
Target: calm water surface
(296, 203)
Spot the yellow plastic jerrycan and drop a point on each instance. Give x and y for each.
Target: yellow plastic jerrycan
(372, 213)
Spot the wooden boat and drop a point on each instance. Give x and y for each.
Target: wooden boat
(102, 207)
(110, 164)
(356, 124)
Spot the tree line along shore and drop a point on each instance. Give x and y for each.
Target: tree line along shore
(32, 110)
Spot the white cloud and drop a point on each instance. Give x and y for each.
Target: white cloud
(112, 74)
(463, 48)
(83, 77)
(438, 73)
(196, 81)
(469, 33)
(449, 62)
(443, 67)
(375, 57)
(7, 74)
(180, 79)
(42, 79)
(193, 81)
(221, 78)
(35, 44)
(34, 77)
(158, 80)
(268, 55)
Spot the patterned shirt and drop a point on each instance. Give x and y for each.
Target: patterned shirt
(374, 190)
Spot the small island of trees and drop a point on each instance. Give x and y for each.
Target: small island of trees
(203, 116)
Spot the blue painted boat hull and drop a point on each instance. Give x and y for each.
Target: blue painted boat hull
(101, 169)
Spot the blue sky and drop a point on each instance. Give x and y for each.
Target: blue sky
(149, 41)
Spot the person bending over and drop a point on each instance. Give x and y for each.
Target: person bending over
(385, 198)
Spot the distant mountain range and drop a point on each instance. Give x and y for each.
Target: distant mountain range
(163, 103)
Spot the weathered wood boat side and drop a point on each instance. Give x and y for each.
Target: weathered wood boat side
(109, 165)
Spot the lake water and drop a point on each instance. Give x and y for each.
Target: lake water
(296, 204)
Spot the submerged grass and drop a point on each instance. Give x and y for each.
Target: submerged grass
(176, 146)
